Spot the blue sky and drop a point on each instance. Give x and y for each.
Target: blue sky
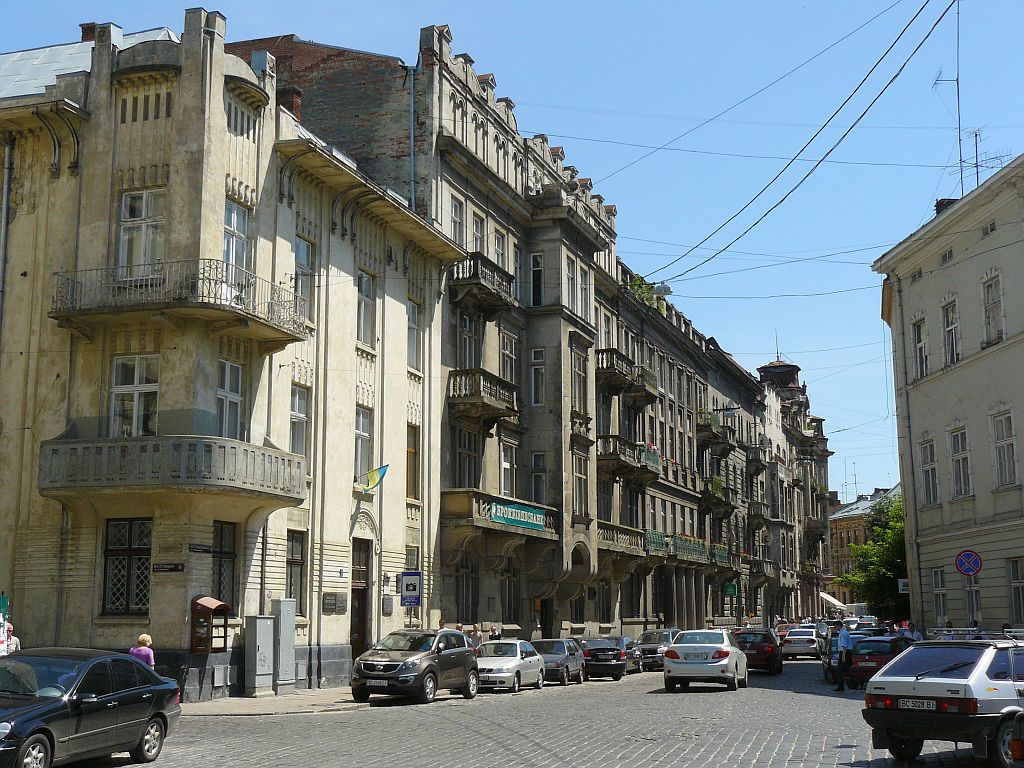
(597, 77)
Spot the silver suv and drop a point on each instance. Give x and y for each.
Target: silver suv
(652, 644)
(967, 691)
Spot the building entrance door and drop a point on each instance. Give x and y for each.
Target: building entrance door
(547, 617)
(361, 619)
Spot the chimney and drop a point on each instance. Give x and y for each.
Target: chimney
(943, 203)
(88, 31)
(290, 97)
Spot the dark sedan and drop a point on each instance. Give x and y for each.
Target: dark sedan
(610, 657)
(58, 705)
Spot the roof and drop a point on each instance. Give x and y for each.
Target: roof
(24, 73)
(862, 506)
(77, 654)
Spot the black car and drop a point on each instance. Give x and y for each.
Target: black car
(610, 657)
(58, 705)
(412, 662)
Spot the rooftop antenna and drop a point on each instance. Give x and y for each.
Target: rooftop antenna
(778, 356)
(856, 489)
(939, 79)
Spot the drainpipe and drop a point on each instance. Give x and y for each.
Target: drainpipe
(412, 131)
(5, 210)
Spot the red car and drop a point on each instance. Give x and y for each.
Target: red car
(783, 629)
(762, 649)
(873, 653)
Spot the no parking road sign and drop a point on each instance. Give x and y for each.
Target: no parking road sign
(968, 562)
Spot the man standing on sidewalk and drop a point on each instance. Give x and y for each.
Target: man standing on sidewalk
(845, 653)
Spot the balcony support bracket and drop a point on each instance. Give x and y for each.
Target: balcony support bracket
(224, 326)
(175, 324)
(81, 330)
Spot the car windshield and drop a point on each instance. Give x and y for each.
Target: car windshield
(504, 650)
(654, 636)
(802, 633)
(751, 637)
(601, 642)
(37, 675)
(701, 638)
(405, 641)
(873, 648)
(549, 646)
(946, 661)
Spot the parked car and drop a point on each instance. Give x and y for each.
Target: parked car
(830, 660)
(509, 664)
(872, 653)
(708, 656)
(59, 705)
(610, 657)
(783, 629)
(802, 642)
(762, 648)
(652, 644)
(563, 659)
(947, 690)
(417, 663)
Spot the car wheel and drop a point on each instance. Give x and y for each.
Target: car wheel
(670, 684)
(732, 683)
(745, 680)
(428, 690)
(472, 685)
(617, 676)
(564, 679)
(35, 752)
(152, 741)
(579, 676)
(360, 695)
(905, 749)
(999, 748)
(516, 681)
(540, 680)
(684, 684)
(780, 667)
(584, 674)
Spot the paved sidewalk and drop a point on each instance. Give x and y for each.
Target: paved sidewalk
(302, 702)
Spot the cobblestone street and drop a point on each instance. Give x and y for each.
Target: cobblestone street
(791, 720)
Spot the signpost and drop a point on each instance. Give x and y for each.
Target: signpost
(968, 562)
(904, 586)
(412, 588)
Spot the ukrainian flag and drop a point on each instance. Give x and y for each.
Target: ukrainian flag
(374, 478)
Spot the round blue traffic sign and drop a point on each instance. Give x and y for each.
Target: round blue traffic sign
(968, 562)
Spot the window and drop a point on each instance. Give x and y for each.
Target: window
(605, 606)
(584, 307)
(578, 609)
(467, 590)
(517, 273)
(947, 256)
(570, 284)
(126, 566)
(604, 499)
(500, 257)
(993, 296)
(536, 279)
(299, 431)
(579, 381)
(304, 278)
(631, 596)
(951, 332)
(958, 451)
(929, 475)
(458, 222)
(366, 318)
(364, 441)
(412, 462)
(141, 234)
(919, 332)
(972, 598)
(230, 400)
(295, 570)
(469, 341)
(939, 595)
(1017, 589)
(916, 275)
(223, 551)
(478, 233)
(509, 468)
(412, 558)
(510, 598)
(580, 486)
(536, 377)
(988, 229)
(538, 477)
(415, 344)
(236, 240)
(127, 675)
(1006, 459)
(509, 357)
(467, 463)
(97, 680)
(134, 395)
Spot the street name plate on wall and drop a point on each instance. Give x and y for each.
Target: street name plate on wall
(168, 567)
(330, 602)
(201, 548)
(387, 604)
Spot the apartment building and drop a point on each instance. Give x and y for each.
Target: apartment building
(215, 326)
(848, 525)
(958, 349)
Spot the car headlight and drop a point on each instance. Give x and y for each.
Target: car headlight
(406, 666)
(5, 728)
(662, 648)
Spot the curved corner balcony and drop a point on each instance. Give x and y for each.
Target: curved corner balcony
(230, 298)
(481, 284)
(181, 463)
(482, 396)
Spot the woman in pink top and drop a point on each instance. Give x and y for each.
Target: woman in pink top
(143, 650)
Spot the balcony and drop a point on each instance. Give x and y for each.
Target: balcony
(688, 549)
(579, 427)
(815, 528)
(757, 459)
(623, 458)
(643, 390)
(187, 463)
(656, 543)
(232, 299)
(613, 370)
(480, 284)
(621, 538)
(715, 436)
(757, 514)
(470, 507)
(717, 499)
(761, 571)
(482, 396)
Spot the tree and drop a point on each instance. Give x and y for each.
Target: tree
(881, 562)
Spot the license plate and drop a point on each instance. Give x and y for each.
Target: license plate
(694, 656)
(915, 704)
(381, 683)
(750, 653)
(867, 664)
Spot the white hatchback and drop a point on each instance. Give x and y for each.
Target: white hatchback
(705, 656)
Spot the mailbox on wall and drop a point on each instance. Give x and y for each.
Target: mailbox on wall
(209, 625)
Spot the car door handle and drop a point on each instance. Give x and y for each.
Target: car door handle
(147, 695)
(111, 704)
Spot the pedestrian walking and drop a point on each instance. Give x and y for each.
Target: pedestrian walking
(475, 636)
(440, 624)
(494, 633)
(143, 650)
(845, 653)
(459, 628)
(978, 634)
(12, 642)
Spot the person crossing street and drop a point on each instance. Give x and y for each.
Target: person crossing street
(845, 656)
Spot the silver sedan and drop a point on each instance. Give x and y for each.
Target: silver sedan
(509, 665)
(706, 656)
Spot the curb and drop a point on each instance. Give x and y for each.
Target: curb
(317, 711)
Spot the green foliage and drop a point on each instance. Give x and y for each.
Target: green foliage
(879, 564)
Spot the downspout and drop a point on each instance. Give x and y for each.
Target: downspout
(412, 132)
(5, 211)
(910, 462)
(320, 448)
(378, 427)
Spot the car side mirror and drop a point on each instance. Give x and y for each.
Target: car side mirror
(441, 647)
(523, 655)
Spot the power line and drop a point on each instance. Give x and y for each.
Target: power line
(752, 95)
(810, 351)
(786, 295)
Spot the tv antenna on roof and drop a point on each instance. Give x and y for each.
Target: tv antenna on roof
(956, 80)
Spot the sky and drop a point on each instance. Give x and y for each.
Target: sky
(611, 81)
